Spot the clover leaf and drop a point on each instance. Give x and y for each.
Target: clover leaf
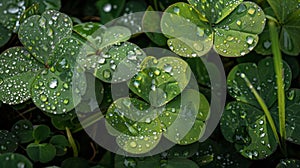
(244, 122)
(232, 26)
(8, 142)
(139, 126)
(12, 11)
(287, 15)
(45, 70)
(159, 81)
(108, 56)
(18, 70)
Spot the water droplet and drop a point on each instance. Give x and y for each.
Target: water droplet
(21, 165)
(53, 83)
(242, 75)
(251, 11)
(106, 74)
(168, 68)
(43, 98)
(1, 81)
(133, 144)
(66, 86)
(243, 53)
(238, 22)
(229, 38)
(101, 61)
(42, 22)
(267, 44)
(291, 95)
(157, 72)
(3, 148)
(13, 9)
(50, 32)
(66, 101)
(107, 7)
(136, 84)
(176, 10)
(249, 40)
(242, 8)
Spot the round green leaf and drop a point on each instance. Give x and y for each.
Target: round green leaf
(17, 70)
(61, 143)
(159, 81)
(189, 35)
(237, 34)
(247, 127)
(125, 162)
(5, 35)
(184, 117)
(40, 34)
(288, 163)
(231, 25)
(41, 152)
(41, 133)
(135, 125)
(11, 10)
(116, 63)
(14, 160)
(8, 142)
(263, 79)
(23, 130)
(59, 89)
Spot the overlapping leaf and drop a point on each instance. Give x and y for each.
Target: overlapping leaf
(232, 26)
(243, 122)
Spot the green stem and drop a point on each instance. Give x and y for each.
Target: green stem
(72, 142)
(264, 108)
(89, 121)
(280, 79)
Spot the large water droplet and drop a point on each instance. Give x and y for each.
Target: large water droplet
(13, 9)
(106, 74)
(133, 144)
(53, 83)
(168, 68)
(251, 11)
(249, 40)
(176, 10)
(107, 7)
(21, 165)
(43, 98)
(242, 8)
(239, 22)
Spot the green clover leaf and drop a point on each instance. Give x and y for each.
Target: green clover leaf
(287, 15)
(108, 56)
(244, 122)
(231, 26)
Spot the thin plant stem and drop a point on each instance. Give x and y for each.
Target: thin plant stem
(72, 142)
(280, 81)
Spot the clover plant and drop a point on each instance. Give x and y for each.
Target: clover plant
(64, 66)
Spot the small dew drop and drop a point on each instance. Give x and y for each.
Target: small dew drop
(107, 7)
